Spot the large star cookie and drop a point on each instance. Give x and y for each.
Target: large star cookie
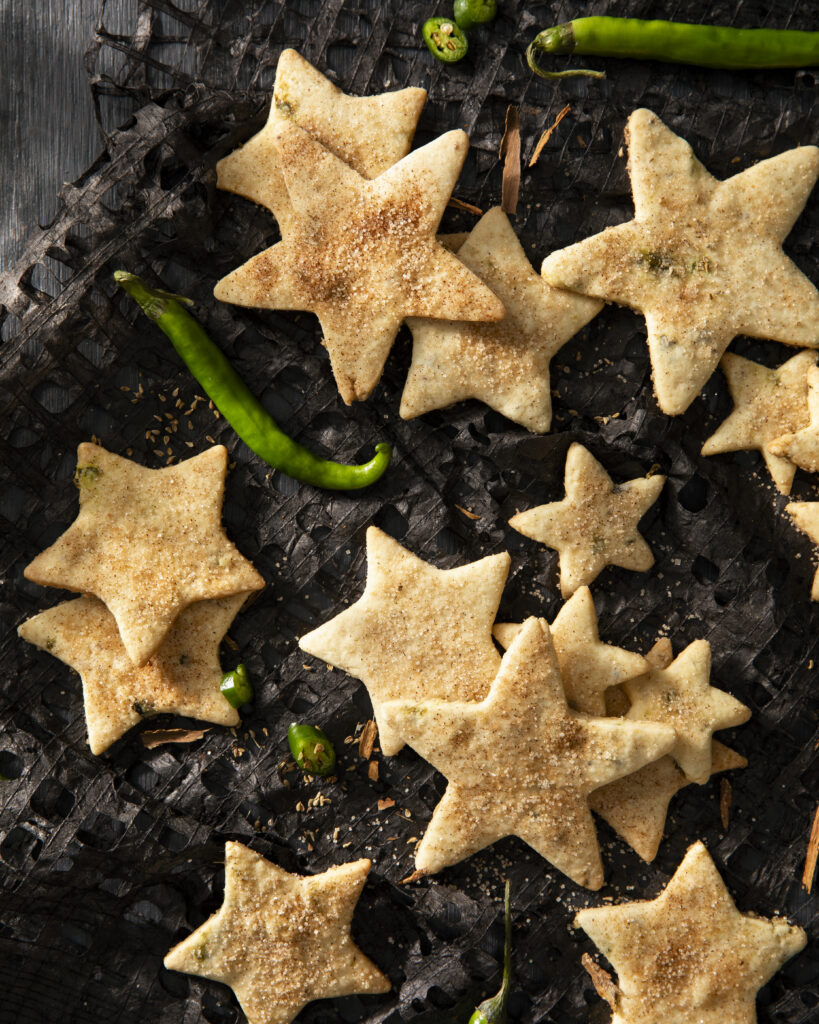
(281, 940)
(588, 667)
(595, 525)
(181, 678)
(362, 255)
(767, 404)
(504, 364)
(702, 258)
(370, 133)
(805, 515)
(521, 763)
(147, 542)
(802, 446)
(689, 956)
(416, 631)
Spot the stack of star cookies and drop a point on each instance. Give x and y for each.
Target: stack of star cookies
(160, 585)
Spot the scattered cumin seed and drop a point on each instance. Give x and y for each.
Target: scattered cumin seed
(385, 803)
(726, 797)
(544, 138)
(812, 855)
(414, 877)
(367, 740)
(467, 513)
(372, 771)
(459, 204)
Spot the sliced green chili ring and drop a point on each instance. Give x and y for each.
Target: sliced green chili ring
(236, 688)
(231, 396)
(469, 13)
(493, 1011)
(312, 749)
(445, 40)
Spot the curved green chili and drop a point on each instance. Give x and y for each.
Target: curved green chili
(231, 396)
(469, 13)
(710, 46)
(493, 1011)
(444, 40)
(235, 687)
(312, 749)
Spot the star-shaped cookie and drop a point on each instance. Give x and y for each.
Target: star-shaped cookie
(281, 940)
(702, 258)
(767, 404)
(802, 446)
(805, 515)
(522, 763)
(689, 956)
(588, 667)
(181, 678)
(416, 631)
(147, 542)
(595, 525)
(682, 697)
(504, 364)
(370, 133)
(362, 255)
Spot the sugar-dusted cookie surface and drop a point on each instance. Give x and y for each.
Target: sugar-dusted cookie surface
(362, 255)
(689, 956)
(595, 525)
(522, 763)
(767, 404)
(370, 133)
(147, 542)
(181, 678)
(416, 631)
(702, 258)
(504, 364)
(801, 447)
(281, 940)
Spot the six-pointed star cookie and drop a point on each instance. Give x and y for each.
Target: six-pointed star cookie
(522, 763)
(281, 940)
(181, 678)
(147, 542)
(588, 667)
(504, 364)
(689, 956)
(702, 259)
(767, 404)
(416, 631)
(682, 697)
(595, 525)
(805, 515)
(362, 255)
(370, 133)
(802, 446)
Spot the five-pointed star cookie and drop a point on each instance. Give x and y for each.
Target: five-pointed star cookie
(370, 133)
(281, 940)
(504, 364)
(181, 678)
(805, 515)
(801, 447)
(595, 525)
(702, 258)
(362, 255)
(689, 956)
(416, 631)
(767, 404)
(588, 667)
(522, 763)
(682, 697)
(147, 542)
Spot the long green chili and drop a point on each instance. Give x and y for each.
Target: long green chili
(710, 46)
(493, 1011)
(231, 396)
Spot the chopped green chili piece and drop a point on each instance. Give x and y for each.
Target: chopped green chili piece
(469, 13)
(493, 1011)
(311, 749)
(445, 40)
(236, 688)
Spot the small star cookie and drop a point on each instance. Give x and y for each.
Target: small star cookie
(281, 940)
(802, 447)
(147, 542)
(181, 678)
(702, 258)
(362, 255)
(416, 631)
(370, 133)
(595, 525)
(588, 667)
(521, 763)
(504, 364)
(805, 515)
(767, 404)
(689, 956)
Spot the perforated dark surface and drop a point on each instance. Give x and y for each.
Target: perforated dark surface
(105, 862)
